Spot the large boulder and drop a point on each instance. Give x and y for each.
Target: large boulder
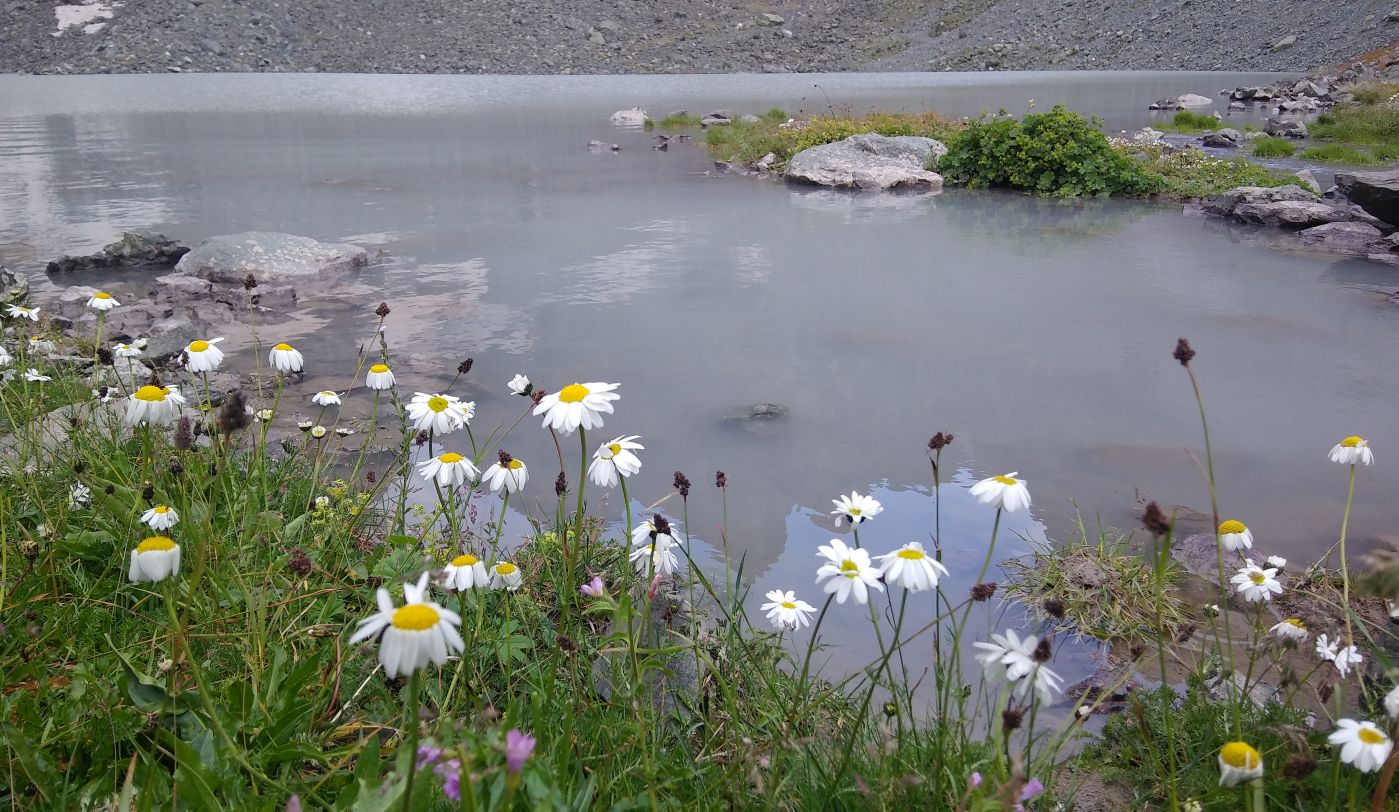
(270, 257)
(1289, 206)
(1224, 205)
(1375, 192)
(869, 161)
(1285, 128)
(1361, 239)
(135, 249)
(1193, 100)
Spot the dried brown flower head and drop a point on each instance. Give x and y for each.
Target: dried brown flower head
(1055, 608)
(940, 441)
(682, 484)
(983, 592)
(1155, 521)
(1184, 352)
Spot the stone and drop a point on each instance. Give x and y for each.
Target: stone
(869, 161)
(188, 285)
(1289, 213)
(134, 249)
(771, 20)
(1375, 192)
(1218, 140)
(749, 118)
(1285, 128)
(1146, 135)
(1360, 239)
(713, 121)
(1286, 42)
(609, 26)
(1307, 180)
(603, 146)
(1237, 105)
(595, 37)
(14, 288)
(634, 117)
(271, 257)
(1194, 100)
(765, 163)
(1224, 205)
(674, 688)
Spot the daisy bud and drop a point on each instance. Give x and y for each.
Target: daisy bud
(890, 710)
(594, 588)
(1184, 353)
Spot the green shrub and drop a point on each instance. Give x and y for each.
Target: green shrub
(1339, 154)
(1269, 147)
(1194, 173)
(1186, 121)
(1054, 153)
(775, 115)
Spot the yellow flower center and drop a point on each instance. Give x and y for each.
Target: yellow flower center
(415, 617)
(450, 457)
(1240, 755)
(1352, 442)
(1257, 577)
(282, 348)
(198, 346)
(615, 449)
(1005, 480)
(505, 568)
(515, 465)
(155, 544)
(152, 394)
(465, 560)
(437, 403)
(853, 511)
(849, 569)
(912, 555)
(787, 605)
(100, 295)
(328, 394)
(161, 510)
(573, 393)
(1292, 621)
(379, 369)
(1369, 736)
(1230, 527)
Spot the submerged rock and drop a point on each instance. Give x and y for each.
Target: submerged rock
(634, 117)
(270, 257)
(869, 161)
(134, 249)
(14, 288)
(1375, 192)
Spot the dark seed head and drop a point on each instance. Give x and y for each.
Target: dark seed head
(233, 414)
(1324, 693)
(682, 484)
(249, 282)
(1043, 651)
(148, 492)
(1184, 633)
(721, 479)
(300, 563)
(1155, 521)
(662, 526)
(536, 396)
(566, 644)
(176, 468)
(940, 441)
(184, 434)
(1055, 608)
(421, 439)
(382, 310)
(983, 592)
(465, 366)
(1184, 353)
(1011, 718)
(104, 356)
(1298, 766)
(505, 459)
(561, 485)
(370, 477)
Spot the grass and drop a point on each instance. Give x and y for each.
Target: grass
(679, 122)
(1344, 154)
(1185, 121)
(1192, 173)
(748, 143)
(1375, 93)
(1270, 147)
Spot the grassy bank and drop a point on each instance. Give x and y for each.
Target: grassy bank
(748, 143)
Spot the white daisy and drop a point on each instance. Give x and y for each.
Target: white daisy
(1233, 536)
(5, 357)
(203, 356)
(659, 528)
(305, 425)
(154, 559)
(440, 414)
(1255, 583)
(614, 459)
(520, 385)
(464, 572)
(1352, 451)
(126, 351)
(379, 377)
(1363, 745)
(505, 575)
(160, 517)
(319, 432)
(344, 431)
(18, 312)
(578, 404)
(102, 302)
(79, 495)
(1003, 492)
(448, 470)
(786, 612)
(911, 567)
(1239, 762)
(285, 359)
(1291, 629)
(326, 399)
(1391, 702)
(1012, 659)
(1346, 658)
(35, 376)
(41, 345)
(655, 558)
(847, 571)
(855, 508)
(415, 634)
(154, 405)
(508, 473)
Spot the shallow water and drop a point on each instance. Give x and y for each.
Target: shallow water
(1039, 332)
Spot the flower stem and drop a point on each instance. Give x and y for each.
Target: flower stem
(408, 757)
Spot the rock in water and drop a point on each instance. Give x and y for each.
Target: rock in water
(634, 117)
(1289, 206)
(1361, 239)
(14, 288)
(1375, 192)
(1307, 180)
(270, 257)
(134, 249)
(869, 161)
(1194, 100)
(1285, 128)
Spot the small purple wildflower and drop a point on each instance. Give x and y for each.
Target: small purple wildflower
(594, 588)
(518, 747)
(1033, 788)
(974, 781)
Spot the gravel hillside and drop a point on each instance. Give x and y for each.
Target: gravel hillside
(685, 36)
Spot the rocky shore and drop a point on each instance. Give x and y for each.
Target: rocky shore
(669, 36)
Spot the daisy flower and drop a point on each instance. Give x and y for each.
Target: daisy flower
(263, 415)
(1233, 536)
(578, 404)
(202, 356)
(520, 385)
(508, 473)
(379, 377)
(1015, 660)
(414, 634)
(1352, 451)
(305, 425)
(1275, 561)
(35, 376)
(154, 405)
(855, 508)
(39, 344)
(285, 359)
(318, 432)
(344, 431)
(615, 459)
(911, 568)
(440, 414)
(18, 312)
(464, 572)
(847, 571)
(160, 517)
(5, 357)
(79, 495)
(657, 527)
(1291, 629)
(1255, 583)
(1003, 492)
(326, 399)
(449, 469)
(154, 559)
(505, 575)
(1346, 658)
(656, 558)
(786, 612)
(1239, 762)
(126, 350)
(102, 302)
(1363, 746)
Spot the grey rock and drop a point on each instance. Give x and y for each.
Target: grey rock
(14, 288)
(634, 117)
(1307, 180)
(191, 286)
(1224, 205)
(771, 20)
(1224, 688)
(1193, 100)
(765, 163)
(603, 146)
(749, 118)
(1286, 42)
(1375, 192)
(1285, 128)
(1360, 239)
(714, 121)
(673, 689)
(595, 36)
(609, 26)
(270, 257)
(869, 161)
(1218, 140)
(1289, 213)
(135, 249)
(1237, 105)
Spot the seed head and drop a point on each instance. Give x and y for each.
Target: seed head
(1298, 766)
(1184, 354)
(1043, 651)
(940, 441)
(1184, 633)
(104, 356)
(300, 563)
(184, 434)
(561, 485)
(1324, 693)
(721, 479)
(662, 526)
(233, 414)
(1011, 718)
(1055, 608)
(682, 484)
(505, 458)
(370, 476)
(249, 282)
(891, 710)
(421, 439)
(1155, 521)
(148, 492)
(382, 310)
(536, 396)
(465, 366)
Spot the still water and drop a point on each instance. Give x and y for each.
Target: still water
(1039, 332)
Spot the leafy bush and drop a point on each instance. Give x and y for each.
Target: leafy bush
(1269, 147)
(1054, 153)
(1186, 121)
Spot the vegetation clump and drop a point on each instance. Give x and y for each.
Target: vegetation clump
(1270, 147)
(677, 122)
(749, 142)
(1186, 121)
(1192, 173)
